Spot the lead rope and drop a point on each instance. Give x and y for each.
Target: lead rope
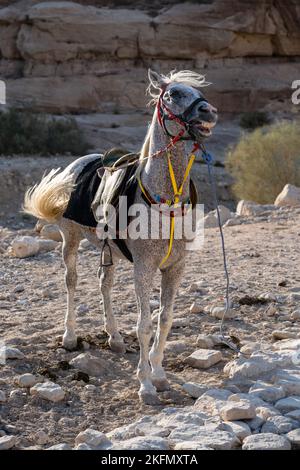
(207, 157)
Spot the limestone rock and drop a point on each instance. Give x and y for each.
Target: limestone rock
(218, 440)
(239, 428)
(205, 341)
(25, 246)
(7, 442)
(194, 390)
(235, 411)
(94, 439)
(142, 443)
(203, 358)
(9, 352)
(279, 425)
(212, 401)
(51, 232)
(89, 364)
(251, 209)
(288, 404)
(27, 380)
(289, 196)
(266, 441)
(211, 219)
(62, 446)
(294, 438)
(267, 392)
(191, 445)
(48, 391)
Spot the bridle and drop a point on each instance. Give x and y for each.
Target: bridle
(165, 114)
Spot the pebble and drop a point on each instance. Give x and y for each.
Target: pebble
(266, 441)
(295, 315)
(218, 312)
(235, 411)
(2, 397)
(196, 308)
(48, 391)
(205, 341)
(203, 358)
(82, 309)
(27, 380)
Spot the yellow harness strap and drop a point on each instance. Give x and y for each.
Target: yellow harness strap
(177, 193)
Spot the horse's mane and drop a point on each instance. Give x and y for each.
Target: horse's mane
(186, 77)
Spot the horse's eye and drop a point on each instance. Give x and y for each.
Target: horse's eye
(174, 94)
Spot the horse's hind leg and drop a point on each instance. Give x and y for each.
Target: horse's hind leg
(71, 238)
(106, 283)
(169, 285)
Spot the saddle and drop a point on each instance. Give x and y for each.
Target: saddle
(101, 183)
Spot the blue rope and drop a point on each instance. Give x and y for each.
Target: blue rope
(207, 157)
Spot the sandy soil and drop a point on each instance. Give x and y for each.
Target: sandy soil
(263, 256)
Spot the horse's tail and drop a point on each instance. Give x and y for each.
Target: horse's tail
(48, 199)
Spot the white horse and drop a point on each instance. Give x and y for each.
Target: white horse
(182, 115)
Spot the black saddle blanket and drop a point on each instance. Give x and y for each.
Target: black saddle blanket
(86, 185)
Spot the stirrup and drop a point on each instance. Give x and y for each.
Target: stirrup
(102, 262)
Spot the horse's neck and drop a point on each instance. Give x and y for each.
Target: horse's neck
(156, 176)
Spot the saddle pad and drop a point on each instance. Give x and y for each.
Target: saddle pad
(79, 206)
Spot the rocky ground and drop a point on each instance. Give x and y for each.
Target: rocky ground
(218, 400)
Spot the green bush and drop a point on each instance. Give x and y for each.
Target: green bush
(264, 161)
(255, 119)
(23, 132)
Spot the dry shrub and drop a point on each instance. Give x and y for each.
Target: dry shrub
(264, 161)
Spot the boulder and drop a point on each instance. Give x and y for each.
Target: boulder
(142, 443)
(267, 392)
(252, 209)
(279, 425)
(194, 390)
(294, 438)
(215, 439)
(288, 404)
(289, 196)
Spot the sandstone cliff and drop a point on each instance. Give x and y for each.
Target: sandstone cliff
(75, 57)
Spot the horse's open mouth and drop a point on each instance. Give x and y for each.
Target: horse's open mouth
(204, 127)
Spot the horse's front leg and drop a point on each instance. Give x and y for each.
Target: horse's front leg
(170, 281)
(143, 277)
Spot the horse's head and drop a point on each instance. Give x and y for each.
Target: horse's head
(179, 99)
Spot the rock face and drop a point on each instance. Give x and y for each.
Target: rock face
(67, 57)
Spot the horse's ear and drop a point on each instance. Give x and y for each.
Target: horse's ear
(156, 80)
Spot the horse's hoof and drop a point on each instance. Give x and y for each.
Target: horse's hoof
(148, 398)
(161, 385)
(117, 346)
(69, 342)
